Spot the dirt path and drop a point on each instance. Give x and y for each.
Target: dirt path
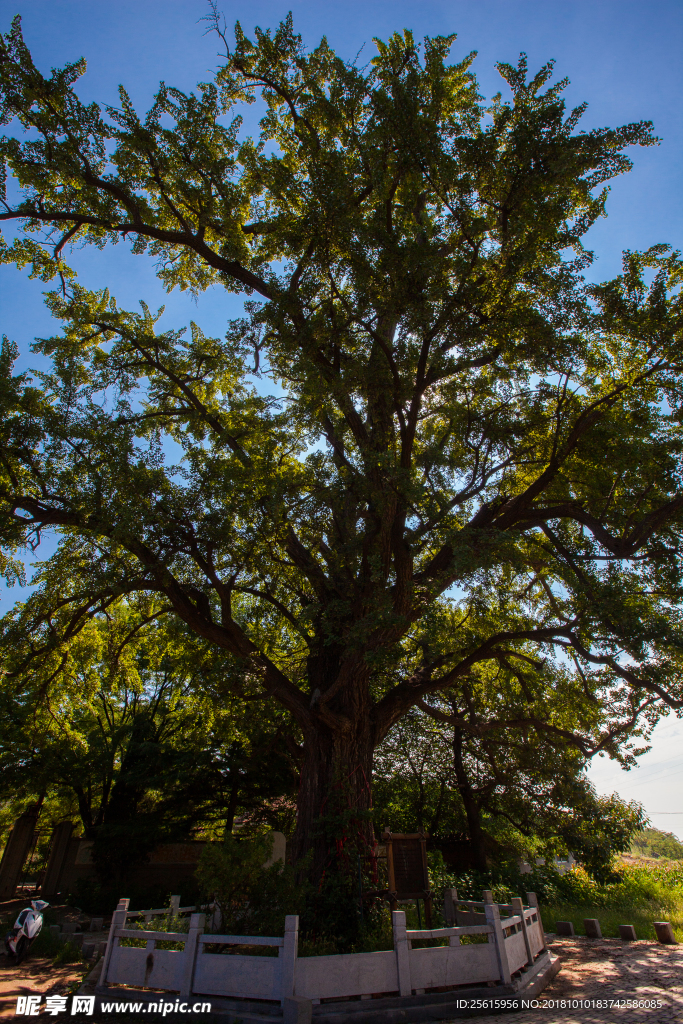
(608, 972)
(36, 975)
(33, 976)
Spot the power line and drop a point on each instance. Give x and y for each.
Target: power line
(646, 771)
(643, 780)
(651, 764)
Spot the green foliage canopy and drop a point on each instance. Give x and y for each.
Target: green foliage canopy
(476, 458)
(134, 720)
(514, 790)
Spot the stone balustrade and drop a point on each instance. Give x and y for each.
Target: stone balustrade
(509, 943)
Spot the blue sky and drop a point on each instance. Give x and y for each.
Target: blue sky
(621, 56)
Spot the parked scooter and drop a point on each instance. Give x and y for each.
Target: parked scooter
(26, 929)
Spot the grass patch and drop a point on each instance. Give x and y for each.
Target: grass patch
(641, 916)
(69, 953)
(51, 947)
(47, 944)
(639, 894)
(638, 891)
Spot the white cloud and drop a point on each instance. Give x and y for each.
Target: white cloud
(657, 782)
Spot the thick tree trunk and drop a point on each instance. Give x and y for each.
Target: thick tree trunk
(121, 841)
(335, 793)
(232, 805)
(335, 798)
(85, 811)
(472, 810)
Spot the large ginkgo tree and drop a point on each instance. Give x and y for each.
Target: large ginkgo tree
(427, 446)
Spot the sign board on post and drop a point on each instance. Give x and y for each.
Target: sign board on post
(407, 869)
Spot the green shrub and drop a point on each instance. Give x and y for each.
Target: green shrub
(627, 886)
(504, 881)
(252, 899)
(69, 953)
(47, 944)
(168, 923)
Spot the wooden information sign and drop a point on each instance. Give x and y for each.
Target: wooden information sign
(407, 869)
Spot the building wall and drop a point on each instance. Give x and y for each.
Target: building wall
(170, 865)
(561, 864)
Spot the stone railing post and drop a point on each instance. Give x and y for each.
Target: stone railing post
(493, 919)
(398, 924)
(118, 920)
(175, 905)
(197, 926)
(450, 901)
(532, 900)
(290, 952)
(518, 908)
(216, 917)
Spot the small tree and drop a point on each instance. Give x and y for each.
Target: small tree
(476, 456)
(129, 719)
(504, 765)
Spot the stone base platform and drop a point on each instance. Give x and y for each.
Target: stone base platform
(468, 1001)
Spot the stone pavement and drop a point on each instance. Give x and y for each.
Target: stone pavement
(607, 973)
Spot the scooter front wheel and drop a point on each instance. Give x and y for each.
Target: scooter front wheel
(21, 950)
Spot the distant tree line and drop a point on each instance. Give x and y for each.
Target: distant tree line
(652, 842)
